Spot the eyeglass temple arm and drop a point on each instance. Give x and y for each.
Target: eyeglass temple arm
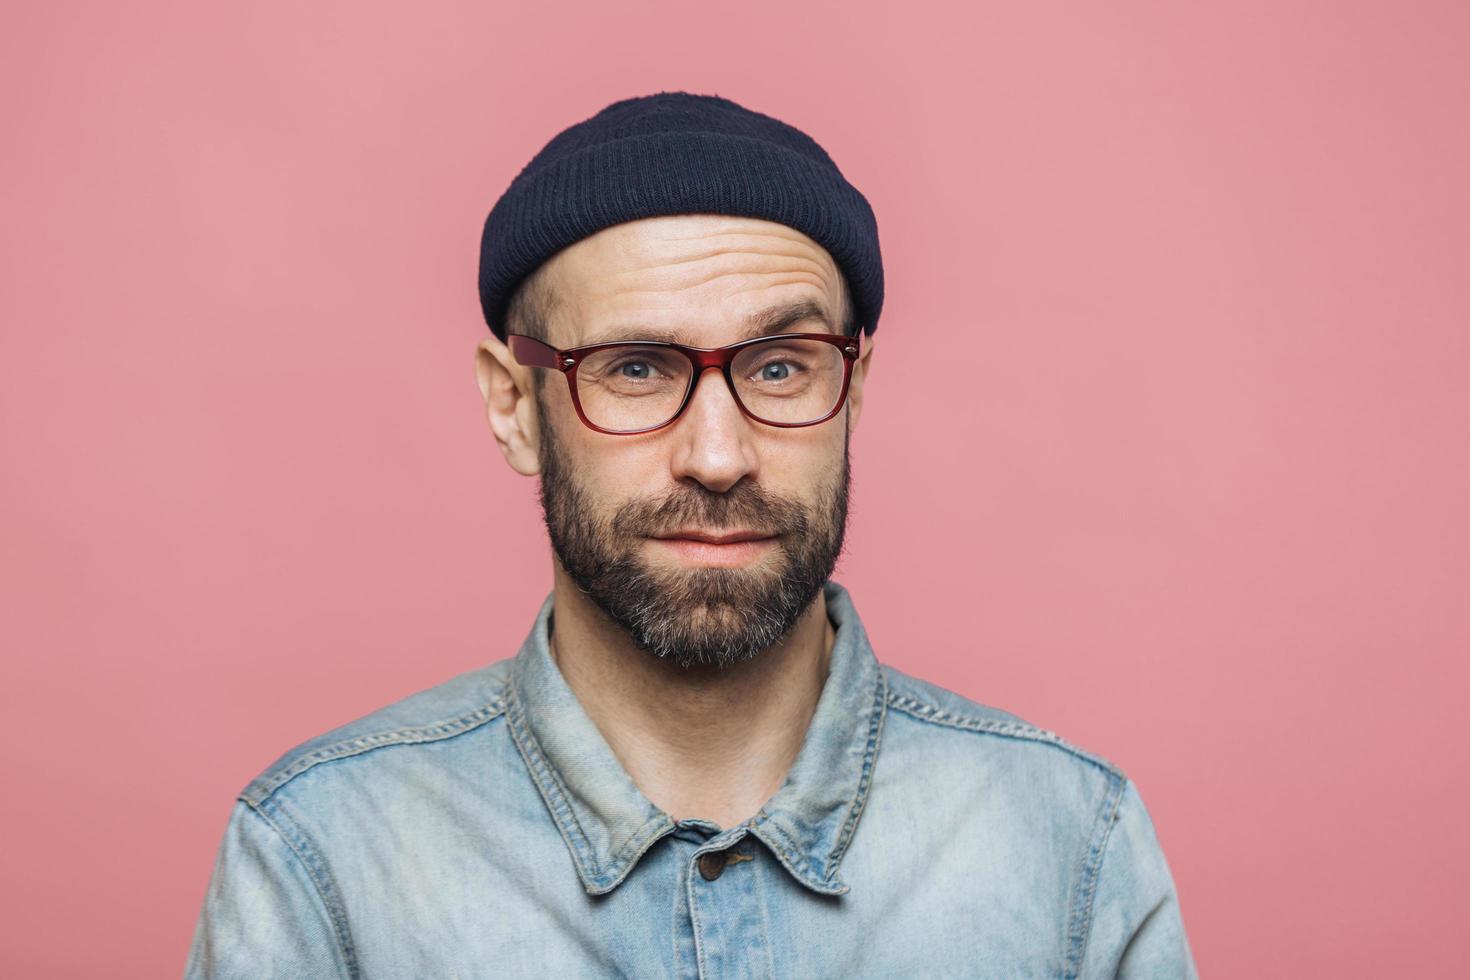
(530, 352)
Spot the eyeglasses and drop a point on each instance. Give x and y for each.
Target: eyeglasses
(628, 387)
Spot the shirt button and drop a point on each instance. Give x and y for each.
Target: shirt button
(711, 864)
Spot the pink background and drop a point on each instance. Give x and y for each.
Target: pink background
(1196, 499)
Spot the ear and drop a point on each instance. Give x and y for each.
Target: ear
(856, 383)
(510, 405)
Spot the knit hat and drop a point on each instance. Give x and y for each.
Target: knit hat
(676, 153)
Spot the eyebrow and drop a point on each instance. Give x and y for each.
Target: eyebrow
(763, 323)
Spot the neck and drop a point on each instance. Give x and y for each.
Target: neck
(706, 742)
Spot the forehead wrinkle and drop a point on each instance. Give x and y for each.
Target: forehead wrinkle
(638, 289)
(742, 235)
(768, 281)
(781, 316)
(765, 264)
(657, 262)
(657, 302)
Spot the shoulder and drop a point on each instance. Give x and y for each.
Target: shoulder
(455, 707)
(990, 729)
(1070, 822)
(1021, 784)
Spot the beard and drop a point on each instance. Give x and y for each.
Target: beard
(713, 616)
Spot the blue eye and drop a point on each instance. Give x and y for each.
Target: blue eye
(778, 370)
(639, 373)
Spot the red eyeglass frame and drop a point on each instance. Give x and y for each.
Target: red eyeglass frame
(530, 352)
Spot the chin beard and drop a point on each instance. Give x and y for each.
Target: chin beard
(699, 616)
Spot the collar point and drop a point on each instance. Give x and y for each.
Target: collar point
(834, 887)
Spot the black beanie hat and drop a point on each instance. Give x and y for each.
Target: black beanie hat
(676, 153)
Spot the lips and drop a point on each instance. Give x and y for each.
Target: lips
(706, 549)
(708, 537)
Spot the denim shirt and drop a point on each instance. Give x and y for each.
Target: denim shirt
(484, 828)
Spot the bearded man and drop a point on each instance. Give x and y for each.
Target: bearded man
(694, 765)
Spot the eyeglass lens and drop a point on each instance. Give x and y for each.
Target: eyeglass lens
(634, 386)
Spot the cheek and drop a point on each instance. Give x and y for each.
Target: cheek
(802, 460)
(613, 472)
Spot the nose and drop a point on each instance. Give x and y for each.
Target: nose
(713, 437)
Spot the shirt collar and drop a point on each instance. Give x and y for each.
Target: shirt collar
(607, 822)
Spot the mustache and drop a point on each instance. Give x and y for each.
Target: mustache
(746, 505)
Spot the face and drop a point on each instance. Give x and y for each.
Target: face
(614, 505)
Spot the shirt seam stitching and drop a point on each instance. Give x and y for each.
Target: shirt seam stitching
(1080, 919)
(316, 870)
(347, 748)
(789, 852)
(549, 784)
(935, 715)
(700, 966)
(860, 797)
(530, 748)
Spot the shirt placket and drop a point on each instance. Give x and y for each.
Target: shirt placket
(727, 919)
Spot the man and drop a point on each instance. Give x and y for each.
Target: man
(694, 765)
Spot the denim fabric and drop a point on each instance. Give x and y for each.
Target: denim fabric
(483, 828)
